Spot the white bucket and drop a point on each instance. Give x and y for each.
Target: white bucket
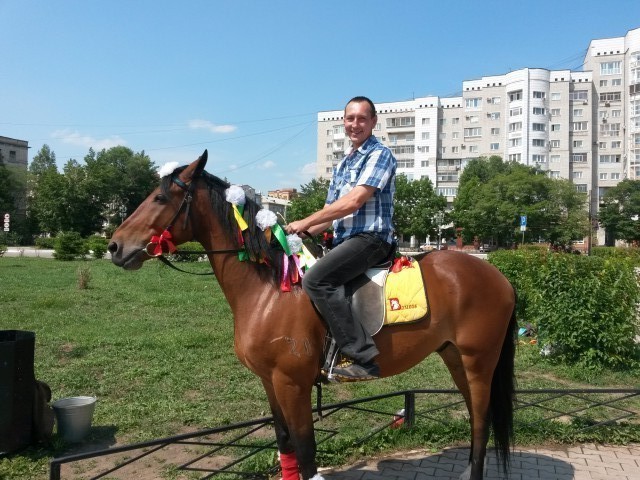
(74, 416)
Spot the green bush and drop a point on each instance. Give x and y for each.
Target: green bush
(3, 249)
(69, 246)
(192, 247)
(45, 242)
(97, 246)
(584, 308)
(631, 253)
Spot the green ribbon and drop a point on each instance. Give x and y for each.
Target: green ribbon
(242, 254)
(282, 237)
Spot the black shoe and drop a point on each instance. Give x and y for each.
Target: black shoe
(353, 372)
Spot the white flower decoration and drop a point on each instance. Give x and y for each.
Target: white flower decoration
(294, 242)
(168, 168)
(235, 195)
(265, 219)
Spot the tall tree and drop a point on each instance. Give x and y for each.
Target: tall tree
(417, 208)
(311, 198)
(620, 211)
(46, 185)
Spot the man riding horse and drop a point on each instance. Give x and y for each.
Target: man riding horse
(360, 206)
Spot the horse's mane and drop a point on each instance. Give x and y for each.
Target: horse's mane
(266, 255)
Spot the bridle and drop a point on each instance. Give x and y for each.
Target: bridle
(163, 243)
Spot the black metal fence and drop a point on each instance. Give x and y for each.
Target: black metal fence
(237, 451)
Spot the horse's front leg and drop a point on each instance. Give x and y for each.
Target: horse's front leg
(294, 403)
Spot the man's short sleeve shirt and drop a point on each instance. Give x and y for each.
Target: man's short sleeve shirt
(374, 165)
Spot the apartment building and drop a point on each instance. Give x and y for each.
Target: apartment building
(579, 125)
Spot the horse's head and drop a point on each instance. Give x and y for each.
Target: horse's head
(160, 222)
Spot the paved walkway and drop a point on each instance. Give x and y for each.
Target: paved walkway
(582, 462)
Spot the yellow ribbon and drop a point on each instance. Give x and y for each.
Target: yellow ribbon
(236, 213)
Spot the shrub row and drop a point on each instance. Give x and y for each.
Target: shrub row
(70, 245)
(584, 308)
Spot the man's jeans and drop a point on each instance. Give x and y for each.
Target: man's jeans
(324, 283)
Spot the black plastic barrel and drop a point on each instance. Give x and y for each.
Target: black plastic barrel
(17, 389)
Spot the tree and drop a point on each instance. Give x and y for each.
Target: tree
(45, 186)
(312, 198)
(620, 211)
(493, 195)
(417, 208)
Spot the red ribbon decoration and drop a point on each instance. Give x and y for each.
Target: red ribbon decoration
(400, 263)
(162, 243)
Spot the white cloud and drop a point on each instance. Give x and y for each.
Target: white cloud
(308, 169)
(267, 164)
(212, 127)
(87, 141)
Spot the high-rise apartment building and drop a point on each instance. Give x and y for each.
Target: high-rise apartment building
(579, 125)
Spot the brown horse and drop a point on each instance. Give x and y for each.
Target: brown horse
(280, 337)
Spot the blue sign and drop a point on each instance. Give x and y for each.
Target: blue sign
(523, 220)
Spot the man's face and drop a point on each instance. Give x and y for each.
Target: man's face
(358, 122)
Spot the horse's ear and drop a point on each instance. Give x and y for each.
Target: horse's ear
(202, 162)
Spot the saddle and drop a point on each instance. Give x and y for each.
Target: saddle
(389, 294)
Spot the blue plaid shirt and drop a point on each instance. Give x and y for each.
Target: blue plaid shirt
(372, 164)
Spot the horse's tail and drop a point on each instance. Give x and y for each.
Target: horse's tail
(503, 396)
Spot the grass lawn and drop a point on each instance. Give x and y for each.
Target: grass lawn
(156, 348)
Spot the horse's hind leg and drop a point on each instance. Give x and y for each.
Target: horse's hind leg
(476, 397)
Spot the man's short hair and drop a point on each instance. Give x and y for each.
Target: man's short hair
(361, 99)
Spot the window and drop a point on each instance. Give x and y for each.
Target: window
(616, 144)
(473, 103)
(609, 158)
(448, 191)
(610, 97)
(338, 129)
(442, 122)
(494, 146)
(455, 121)
(494, 115)
(555, 127)
(407, 163)
(556, 96)
(473, 149)
(442, 135)
(496, 100)
(610, 130)
(515, 127)
(401, 122)
(425, 135)
(515, 142)
(447, 177)
(603, 176)
(472, 132)
(515, 111)
(515, 157)
(577, 112)
(602, 144)
(579, 95)
(616, 113)
(424, 163)
(473, 119)
(455, 135)
(616, 82)
(495, 131)
(579, 157)
(554, 143)
(555, 112)
(581, 187)
(539, 127)
(610, 68)
(426, 121)
(423, 149)
(539, 158)
(577, 144)
(454, 149)
(514, 96)
(615, 176)
(579, 126)
(554, 159)
(576, 175)
(329, 144)
(538, 111)
(554, 174)
(603, 83)
(537, 142)
(378, 127)
(402, 149)
(442, 150)
(538, 94)
(328, 169)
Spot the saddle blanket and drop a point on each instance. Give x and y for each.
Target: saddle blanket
(405, 295)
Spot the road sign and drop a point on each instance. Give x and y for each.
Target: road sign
(523, 223)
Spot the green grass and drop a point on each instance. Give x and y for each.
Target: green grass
(156, 347)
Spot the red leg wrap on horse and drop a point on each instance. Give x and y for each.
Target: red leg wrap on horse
(289, 466)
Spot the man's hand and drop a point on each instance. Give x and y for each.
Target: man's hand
(296, 227)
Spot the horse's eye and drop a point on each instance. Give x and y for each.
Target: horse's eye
(161, 198)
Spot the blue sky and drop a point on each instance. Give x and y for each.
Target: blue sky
(245, 79)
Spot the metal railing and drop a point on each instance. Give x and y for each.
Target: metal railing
(226, 450)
